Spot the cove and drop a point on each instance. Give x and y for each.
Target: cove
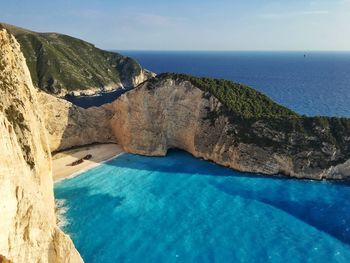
(182, 209)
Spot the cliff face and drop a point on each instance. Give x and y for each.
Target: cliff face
(28, 230)
(171, 112)
(68, 125)
(61, 65)
(149, 122)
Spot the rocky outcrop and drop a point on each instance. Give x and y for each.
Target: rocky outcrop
(171, 112)
(28, 230)
(126, 83)
(69, 126)
(151, 122)
(142, 77)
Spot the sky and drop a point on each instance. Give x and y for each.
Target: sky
(304, 25)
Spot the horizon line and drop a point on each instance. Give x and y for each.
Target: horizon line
(228, 50)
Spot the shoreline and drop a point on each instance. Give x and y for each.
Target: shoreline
(85, 169)
(101, 153)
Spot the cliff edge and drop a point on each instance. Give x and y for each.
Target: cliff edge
(28, 230)
(231, 125)
(70, 126)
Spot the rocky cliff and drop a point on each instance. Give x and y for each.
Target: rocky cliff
(232, 125)
(28, 230)
(69, 126)
(61, 65)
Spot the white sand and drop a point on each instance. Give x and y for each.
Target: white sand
(100, 153)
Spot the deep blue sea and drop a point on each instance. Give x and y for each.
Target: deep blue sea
(181, 209)
(318, 84)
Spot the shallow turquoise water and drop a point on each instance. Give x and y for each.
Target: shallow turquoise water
(181, 209)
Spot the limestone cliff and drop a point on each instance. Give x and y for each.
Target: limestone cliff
(28, 230)
(238, 128)
(70, 126)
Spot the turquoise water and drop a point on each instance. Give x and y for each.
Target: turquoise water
(181, 209)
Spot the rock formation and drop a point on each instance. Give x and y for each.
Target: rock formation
(250, 133)
(169, 111)
(70, 126)
(28, 230)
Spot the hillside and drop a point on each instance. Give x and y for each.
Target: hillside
(240, 99)
(60, 64)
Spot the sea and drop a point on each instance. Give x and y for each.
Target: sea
(310, 83)
(179, 208)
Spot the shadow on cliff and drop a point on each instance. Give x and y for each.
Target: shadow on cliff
(84, 128)
(96, 101)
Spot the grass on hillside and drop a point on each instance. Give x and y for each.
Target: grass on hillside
(240, 99)
(59, 61)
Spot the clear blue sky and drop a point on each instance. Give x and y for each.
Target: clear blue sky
(190, 24)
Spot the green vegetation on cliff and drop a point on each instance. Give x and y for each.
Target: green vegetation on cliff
(59, 61)
(256, 119)
(240, 99)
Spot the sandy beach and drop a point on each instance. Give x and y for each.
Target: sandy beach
(99, 152)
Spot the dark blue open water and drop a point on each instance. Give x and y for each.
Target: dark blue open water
(181, 209)
(318, 84)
